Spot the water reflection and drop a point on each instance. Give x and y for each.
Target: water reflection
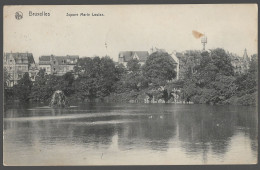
(195, 133)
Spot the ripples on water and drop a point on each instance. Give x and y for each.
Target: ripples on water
(130, 134)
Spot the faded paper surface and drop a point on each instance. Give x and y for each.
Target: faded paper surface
(102, 30)
(129, 27)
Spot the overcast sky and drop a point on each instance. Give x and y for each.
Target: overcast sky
(129, 27)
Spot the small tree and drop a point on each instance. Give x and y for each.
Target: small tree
(23, 88)
(7, 90)
(39, 88)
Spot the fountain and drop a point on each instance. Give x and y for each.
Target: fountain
(59, 100)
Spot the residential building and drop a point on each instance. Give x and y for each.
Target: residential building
(240, 64)
(58, 65)
(63, 64)
(125, 56)
(45, 63)
(17, 64)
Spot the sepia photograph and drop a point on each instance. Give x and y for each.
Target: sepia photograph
(102, 85)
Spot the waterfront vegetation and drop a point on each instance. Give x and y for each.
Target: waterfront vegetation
(211, 81)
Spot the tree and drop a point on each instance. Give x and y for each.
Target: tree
(213, 81)
(120, 71)
(8, 92)
(83, 66)
(39, 91)
(222, 61)
(66, 84)
(96, 77)
(159, 68)
(133, 65)
(157, 71)
(23, 88)
(107, 77)
(6, 78)
(247, 83)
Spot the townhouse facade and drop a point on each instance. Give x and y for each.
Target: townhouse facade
(58, 65)
(16, 65)
(45, 63)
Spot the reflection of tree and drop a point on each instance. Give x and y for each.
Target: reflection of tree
(153, 133)
(98, 136)
(75, 132)
(200, 128)
(57, 131)
(247, 121)
(208, 126)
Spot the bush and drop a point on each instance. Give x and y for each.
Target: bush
(246, 100)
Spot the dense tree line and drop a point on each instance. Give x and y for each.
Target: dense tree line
(208, 77)
(215, 82)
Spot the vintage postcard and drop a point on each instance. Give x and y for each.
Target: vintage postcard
(130, 84)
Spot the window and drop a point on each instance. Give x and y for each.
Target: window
(10, 68)
(11, 61)
(54, 62)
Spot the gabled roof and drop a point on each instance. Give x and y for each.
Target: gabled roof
(62, 60)
(45, 58)
(72, 56)
(59, 60)
(48, 58)
(245, 56)
(128, 55)
(21, 58)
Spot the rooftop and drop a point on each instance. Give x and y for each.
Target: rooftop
(128, 55)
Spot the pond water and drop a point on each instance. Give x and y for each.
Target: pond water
(130, 134)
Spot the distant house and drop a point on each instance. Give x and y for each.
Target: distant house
(125, 56)
(240, 64)
(45, 63)
(63, 64)
(58, 65)
(17, 64)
